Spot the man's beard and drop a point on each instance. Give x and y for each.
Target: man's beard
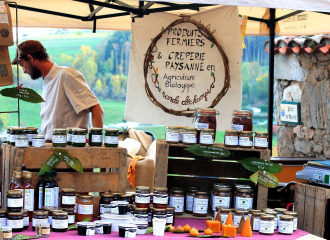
(35, 72)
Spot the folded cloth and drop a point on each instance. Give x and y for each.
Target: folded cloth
(131, 169)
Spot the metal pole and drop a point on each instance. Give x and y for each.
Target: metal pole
(271, 25)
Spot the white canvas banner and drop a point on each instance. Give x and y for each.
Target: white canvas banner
(186, 70)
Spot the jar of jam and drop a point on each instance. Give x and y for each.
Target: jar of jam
(60, 222)
(190, 199)
(133, 196)
(266, 224)
(126, 198)
(141, 214)
(201, 202)
(3, 217)
(159, 213)
(295, 218)
(170, 215)
(280, 211)
(245, 139)
(105, 202)
(14, 201)
(222, 198)
(71, 215)
(39, 217)
(68, 198)
(242, 120)
(111, 138)
(51, 212)
(116, 196)
(22, 141)
(172, 134)
(160, 197)
(38, 141)
(43, 230)
(14, 132)
(255, 220)
(243, 198)
(69, 136)
(224, 212)
(85, 207)
(6, 233)
(30, 132)
(15, 221)
(239, 213)
(206, 136)
(95, 137)
(189, 135)
(285, 225)
(206, 118)
(261, 140)
(274, 213)
(251, 211)
(150, 213)
(177, 201)
(231, 138)
(142, 196)
(26, 220)
(78, 137)
(8, 135)
(59, 137)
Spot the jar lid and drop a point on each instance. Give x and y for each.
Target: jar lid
(22, 137)
(193, 190)
(170, 208)
(223, 189)
(61, 213)
(55, 211)
(178, 191)
(68, 189)
(254, 210)
(38, 137)
(257, 213)
(242, 211)
(68, 209)
(106, 195)
(188, 129)
(201, 193)
(69, 128)
(31, 128)
(2, 210)
(159, 209)
(290, 213)
(48, 208)
(96, 129)
(172, 127)
(246, 132)
(141, 209)
(40, 212)
(112, 130)
(267, 216)
(286, 217)
(244, 190)
(131, 193)
(242, 113)
(16, 129)
(161, 189)
(280, 209)
(79, 130)
(193, 187)
(267, 209)
(142, 188)
(206, 110)
(59, 130)
(28, 175)
(232, 131)
(207, 130)
(15, 213)
(14, 192)
(271, 213)
(85, 196)
(228, 210)
(262, 133)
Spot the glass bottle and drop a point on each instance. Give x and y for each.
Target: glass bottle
(48, 190)
(85, 208)
(12, 180)
(28, 194)
(17, 182)
(40, 193)
(56, 188)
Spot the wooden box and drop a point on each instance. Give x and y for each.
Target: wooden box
(175, 166)
(311, 204)
(113, 159)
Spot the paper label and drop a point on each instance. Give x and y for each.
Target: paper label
(189, 138)
(169, 218)
(275, 223)
(85, 209)
(223, 218)
(130, 233)
(97, 139)
(200, 205)
(180, 136)
(69, 200)
(243, 203)
(256, 223)
(41, 202)
(160, 217)
(237, 219)
(295, 223)
(71, 219)
(110, 140)
(8, 137)
(244, 141)
(160, 198)
(12, 138)
(105, 208)
(37, 221)
(7, 235)
(285, 227)
(237, 127)
(29, 199)
(78, 138)
(26, 221)
(15, 202)
(49, 197)
(142, 198)
(45, 231)
(56, 195)
(15, 223)
(220, 202)
(278, 218)
(172, 136)
(266, 226)
(200, 126)
(140, 217)
(260, 142)
(178, 203)
(36, 142)
(231, 140)
(3, 222)
(189, 203)
(69, 137)
(50, 219)
(31, 136)
(21, 143)
(59, 138)
(206, 139)
(60, 224)
(90, 231)
(99, 230)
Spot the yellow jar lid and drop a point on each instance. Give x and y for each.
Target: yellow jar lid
(112, 130)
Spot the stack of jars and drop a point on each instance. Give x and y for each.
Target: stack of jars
(189, 135)
(244, 139)
(25, 137)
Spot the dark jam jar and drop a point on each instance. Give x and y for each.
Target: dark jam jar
(69, 135)
(59, 137)
(231, 138)
(111, 137)
(159, 213)
(245, 139)
(71, 215)
(126, 198)
(170, 215)
(105, 202)
(39, 217)
(14, 201)
(60, 222)
(242, 120)
(205, 118)
(150, 213)
(160, 197)
(201, 200)
(26, 221)
(30, 132)
(78, 137)
(141, 214)
(3, 217)
(190, 199)
(68, 198)
(142, 196)
(177, 201)
(95, 137)
(261, 140)
(15, 221)
(14, 132)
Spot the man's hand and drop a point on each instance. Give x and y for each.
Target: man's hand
(97, 116)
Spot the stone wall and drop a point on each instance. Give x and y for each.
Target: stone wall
(305, 79)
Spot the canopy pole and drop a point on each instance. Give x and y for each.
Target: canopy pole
(271, 25)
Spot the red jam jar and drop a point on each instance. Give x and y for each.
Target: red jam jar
(160, 197)
(205, 118)
(142, 196)
(242, 120)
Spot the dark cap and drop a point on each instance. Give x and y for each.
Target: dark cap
(27, 47)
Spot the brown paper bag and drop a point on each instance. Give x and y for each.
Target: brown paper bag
(6, 72)
(6, 31)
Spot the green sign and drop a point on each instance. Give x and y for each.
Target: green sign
(256, 164)
(264, 178)
(25, 94)
(208, 151)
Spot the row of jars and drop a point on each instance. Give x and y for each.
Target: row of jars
(244, 139)
(189, 135)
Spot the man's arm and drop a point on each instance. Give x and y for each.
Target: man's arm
(97, 115)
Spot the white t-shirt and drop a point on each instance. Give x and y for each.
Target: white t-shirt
(67, 100)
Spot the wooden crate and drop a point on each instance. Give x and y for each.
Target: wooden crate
(175, 166)
(90, 157)
(311, 204)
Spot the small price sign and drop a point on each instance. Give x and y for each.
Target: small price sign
(290, 112)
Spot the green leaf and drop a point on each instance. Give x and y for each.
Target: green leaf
(256, 164)
(25, 94)
(50, 164)
(68, 159)
(22, 236)
(149, 230)
(167, 229)
(208, 151)
(212, 45)
(176, 231)
(265, 178)
(212, 74)
(254, 177)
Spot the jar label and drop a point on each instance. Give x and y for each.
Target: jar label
(99, 229)
(237, 127)
(140, 217)
(49, 197)
(237, 219)
(29, 199)
(21, 143)
(169, 218)
(189, 138)
(278, 218)
(189, 203)
(8, 137)
(56, 195)
(130, 233)
(245, 141)
(75, 208)
(160, 198)
(90, 231)
(260, 142)
(266, 226)
(31, 136)
(285, 227)
(180, 136)
(160, 217)
(275, 223)
(60, 223)
(69, 137)
(256, 223)
(224, 218)
(172, 136)
(37, 221)
(12, 138)
(15, 202)
(45, 231)
(78, 138)
(199, 126)
(41, 202)
(36, 142)
(97, 138)
(200, 205)
(3, 222)
(85, 209)
(59, 139)
(71, 219)
(295, 223)
(206, 139)
(111, 139)
(178, 203)
(243, 203)
(220, 202)
(231, 140)
(142, 198)
(6, 235)
(15, 223)
(50, 219)
(105, 208)
(69, 200)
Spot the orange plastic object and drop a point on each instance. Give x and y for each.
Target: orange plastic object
(214, 225)
(247, 231)
(229, 220)
(228, 231)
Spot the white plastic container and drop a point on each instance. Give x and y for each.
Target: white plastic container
(127, 230)
(141, 227)
(116, 220)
